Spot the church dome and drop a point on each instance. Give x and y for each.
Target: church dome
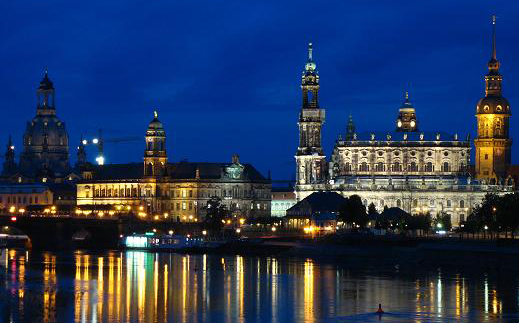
(155, 124)
(493, 104)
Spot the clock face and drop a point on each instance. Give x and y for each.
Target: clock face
(399, 123)
(413, 123)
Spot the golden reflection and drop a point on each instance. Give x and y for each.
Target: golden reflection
(239, 286)
(165, 291)
(49, 288)
(99, 309)
(308, 291)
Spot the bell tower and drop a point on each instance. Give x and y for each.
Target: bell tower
(493, 145)
(310, 158)
(155, 157)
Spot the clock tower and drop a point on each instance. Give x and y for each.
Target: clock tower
(310, 157)
(493, 145)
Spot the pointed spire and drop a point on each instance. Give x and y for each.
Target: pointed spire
(155, 114)
(494, 37)
(310, 64)
(310, 52)
(406, 95)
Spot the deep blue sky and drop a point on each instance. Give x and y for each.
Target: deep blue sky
(225, 75)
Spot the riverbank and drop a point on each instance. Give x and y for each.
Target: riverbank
(494, 255)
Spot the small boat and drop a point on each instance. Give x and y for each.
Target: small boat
(153, 241)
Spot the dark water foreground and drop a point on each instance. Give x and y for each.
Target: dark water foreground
(150, 287)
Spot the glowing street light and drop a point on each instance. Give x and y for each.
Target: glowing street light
(274, 229)
(95, 141)
(238, 230)
(84, 142)
(204, 232)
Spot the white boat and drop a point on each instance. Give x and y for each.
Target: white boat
(154, 241)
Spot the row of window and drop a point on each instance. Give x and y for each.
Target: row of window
(431, 203)
(136, 192)
(20, 200)
(398, 167)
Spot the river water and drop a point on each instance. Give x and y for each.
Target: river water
(162, 287)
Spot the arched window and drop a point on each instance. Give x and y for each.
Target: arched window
(149, 169)
(396, 167)
(446, 167)
(398, 203)
(128, 192)
(364, 167)
(413, 167)
(347, 167)
(379, 167)
(415, 203)
(462, 203)
(429, 167)
(149, 145)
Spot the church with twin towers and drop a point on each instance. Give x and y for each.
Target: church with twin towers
(416, 170)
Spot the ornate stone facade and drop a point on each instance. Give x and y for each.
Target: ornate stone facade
(493, 145)
(420, 172)
(179, 191)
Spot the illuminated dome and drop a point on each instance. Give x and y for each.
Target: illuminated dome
(493, 105)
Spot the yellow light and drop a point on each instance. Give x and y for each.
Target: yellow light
(118, 207)
(184, 217)
(204, 232)
(274, 229)
(242, 221)
(128, 208)
(166, 215)
(190, 217)
(156, 217)
(78, 211)
(238, 230)
(12, 209)
(141, 208)
(111, 212)
(170, 232)
(100, 213)
(228, 221)
(53, 207)
(21, 210)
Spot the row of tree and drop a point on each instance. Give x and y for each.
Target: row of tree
(496, 214)
(354, 214)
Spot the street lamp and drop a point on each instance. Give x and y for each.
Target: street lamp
(238, 230)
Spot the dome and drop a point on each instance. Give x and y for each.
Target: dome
(155, 124)
(493, 104)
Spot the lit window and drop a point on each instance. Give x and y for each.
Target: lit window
(183, 205)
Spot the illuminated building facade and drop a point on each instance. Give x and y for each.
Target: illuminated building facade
(417, 171)
(179, 191)
(493, 145)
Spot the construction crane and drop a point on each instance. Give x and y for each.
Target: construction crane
(100, 142)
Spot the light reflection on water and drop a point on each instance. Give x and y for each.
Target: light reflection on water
(150, 287)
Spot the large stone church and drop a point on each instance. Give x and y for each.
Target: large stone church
(416, 170)
(45, 153)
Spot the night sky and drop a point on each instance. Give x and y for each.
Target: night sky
(225, 75)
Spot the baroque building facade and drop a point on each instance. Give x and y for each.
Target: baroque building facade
(417, 171)
(179, 191)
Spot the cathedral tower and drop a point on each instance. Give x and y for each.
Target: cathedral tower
(493, 145)
(310, 157)
(155, 157)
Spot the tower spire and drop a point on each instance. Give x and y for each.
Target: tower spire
(494, 37)
(310, 52)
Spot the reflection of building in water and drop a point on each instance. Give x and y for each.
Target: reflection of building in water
(417, 171)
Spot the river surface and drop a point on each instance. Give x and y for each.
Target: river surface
(162, 287)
